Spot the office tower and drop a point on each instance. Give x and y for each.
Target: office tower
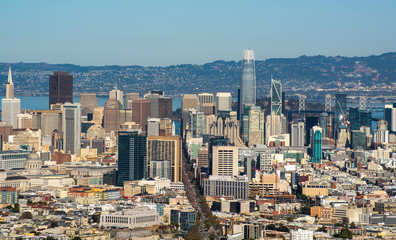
(358, 118)
(245, 124)
(223, 102)
(340, 108)
(9, 85)
(358, 139)
(224, 124)
(132, 164)
(47, 121)
(125, 116)
(117, 95)
(161, 106)
(10, 104)
(60, 88)
(342, 136)
(166, 148)
(24, 121)
(166, 127)
(216, 141)
(190, 101)
(197, 124)
(256, 126)
(129, 97)
(10, 110)
(316, 144)
(203, 158)
(224, 161)
(273, 126)
(297, 134)
(276, 97)
(247, 91)
(324, 124)
(88, 102)
(309, 123)
(111, 115)
(141, 110)
(153, 126)
(161, 169)
(205, 98)
(98, 115)
(207, 108)
(71, 127)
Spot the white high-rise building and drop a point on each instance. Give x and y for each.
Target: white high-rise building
(204, 98)
(225, 161)
(117, 95)
(11, 106)
(256, 126)
(223, 101)
(71, 126)
(297, 134)
(301, 234)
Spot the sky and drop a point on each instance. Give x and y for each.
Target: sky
(163, 33)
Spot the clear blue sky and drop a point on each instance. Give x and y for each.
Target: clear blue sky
(153, 33)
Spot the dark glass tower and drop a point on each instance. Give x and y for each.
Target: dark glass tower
(60, 88)
(132, 163)
(247, 92)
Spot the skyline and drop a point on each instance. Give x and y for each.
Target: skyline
(160, 34)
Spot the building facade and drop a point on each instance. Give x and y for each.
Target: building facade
(60, 88)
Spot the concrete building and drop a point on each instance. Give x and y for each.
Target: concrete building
(136, 218)
(237, 187)
(204, 98)
(24, 121)
(117, 95)
(256, 126)
(273, 126)
(129, 97)
(165, 148)
(88, 102)
(111, 115)
(13, 159)
(224, 124)
(313, 189)
(190, 101)
(297, 134)
(71, 126)
(141, 110)
(47, 121)
(185, 218)
(301, 234)
(223, 101)
(10, 110)
(225, 161)
(153, 126)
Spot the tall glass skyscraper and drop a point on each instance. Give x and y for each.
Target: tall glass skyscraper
(276, 97)
(316, 144)
(247, 91)
(340, 107)
(132, 160)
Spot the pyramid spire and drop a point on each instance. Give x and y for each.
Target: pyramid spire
(9, 76)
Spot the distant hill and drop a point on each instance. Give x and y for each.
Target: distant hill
(306, 74)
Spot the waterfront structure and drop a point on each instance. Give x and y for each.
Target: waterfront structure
(132, 160)
(71, 127)
(224, 186)
(316, 144)
(276, 97)
(111, 115)
(247, 90)
(223, 101)
(165, 148)
(60, 88)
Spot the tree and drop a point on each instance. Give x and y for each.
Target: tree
(353, 225)
(26, 215)
(76, 238)
(345, 221)
(193, 234)
(344, 233)
(96, 218)
(270, 227)
(16, 208)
